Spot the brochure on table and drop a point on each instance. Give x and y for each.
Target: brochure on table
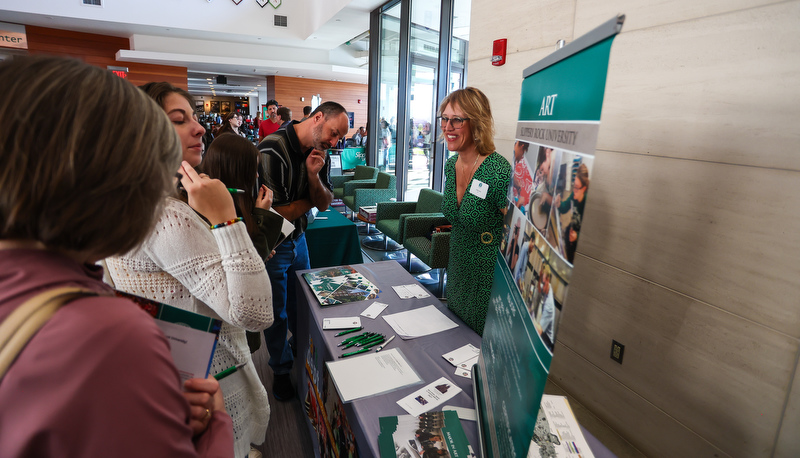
(431, 434)
(559, 119)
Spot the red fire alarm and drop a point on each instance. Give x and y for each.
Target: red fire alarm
(499, 52)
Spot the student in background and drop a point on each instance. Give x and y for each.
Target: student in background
(272, 123)
(98, 378)
(285, 116)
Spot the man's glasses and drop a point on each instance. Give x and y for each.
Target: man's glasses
(455, 121)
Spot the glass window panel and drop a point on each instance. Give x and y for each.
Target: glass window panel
(385, 131)
(422, 103)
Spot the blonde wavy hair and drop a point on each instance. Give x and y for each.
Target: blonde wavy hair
(475, 106)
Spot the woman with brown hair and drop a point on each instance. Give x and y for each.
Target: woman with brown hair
(234, 161)
(476, 186)
(98, 377)
(231, 124)
(200, 258)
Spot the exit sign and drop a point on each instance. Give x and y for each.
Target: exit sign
(122, 72)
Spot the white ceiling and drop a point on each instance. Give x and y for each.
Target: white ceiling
(219, 37)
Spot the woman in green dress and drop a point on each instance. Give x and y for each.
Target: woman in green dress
(476, 186)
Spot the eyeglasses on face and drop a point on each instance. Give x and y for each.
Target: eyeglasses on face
(455, 121)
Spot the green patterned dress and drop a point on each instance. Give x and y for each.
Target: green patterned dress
(470, 271)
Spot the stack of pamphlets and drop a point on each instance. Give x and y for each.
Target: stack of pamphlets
(429, 434)
(339, 285)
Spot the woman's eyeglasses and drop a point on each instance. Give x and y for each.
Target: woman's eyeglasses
(455, 121)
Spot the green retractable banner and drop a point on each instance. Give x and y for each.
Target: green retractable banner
(556, 135)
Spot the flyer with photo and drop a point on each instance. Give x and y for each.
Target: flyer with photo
(419, 436)
(339, 285)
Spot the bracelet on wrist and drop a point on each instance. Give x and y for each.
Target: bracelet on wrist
(226, 223)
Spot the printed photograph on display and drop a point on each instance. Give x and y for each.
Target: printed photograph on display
(569, 200)
(514, 229)
(542, 188)
(225, 107)
(519, 193)
(542, 222)
(214, 106)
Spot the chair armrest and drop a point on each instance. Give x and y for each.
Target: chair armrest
(393, 210)
(339, 180)
(352, 185)
(420, 225)
(365, 197)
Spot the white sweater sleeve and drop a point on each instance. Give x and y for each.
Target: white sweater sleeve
(219, 267)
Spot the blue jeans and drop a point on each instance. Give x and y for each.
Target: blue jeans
(290, 256)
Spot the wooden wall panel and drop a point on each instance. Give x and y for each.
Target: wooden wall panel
(654, 433)
(643, 14)
(100, 50)
(539, 28)
(676, 351)
(715, 89)
(719, 233)
(693, 227)
(789, 441)
(289, 90)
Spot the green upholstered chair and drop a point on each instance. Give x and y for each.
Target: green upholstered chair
(363, 193)
(392, 215)
(363, 172)
(435, 252)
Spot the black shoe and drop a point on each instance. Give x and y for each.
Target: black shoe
(282, 387)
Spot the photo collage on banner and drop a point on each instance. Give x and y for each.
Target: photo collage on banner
(561, 99)
(548, 193)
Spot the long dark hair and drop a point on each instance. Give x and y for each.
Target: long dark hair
(226, 124)
(234, 161)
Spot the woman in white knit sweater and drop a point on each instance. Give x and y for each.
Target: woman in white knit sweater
(216, 272)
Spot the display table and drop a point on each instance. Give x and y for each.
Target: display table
(354, 425)
(333, 241)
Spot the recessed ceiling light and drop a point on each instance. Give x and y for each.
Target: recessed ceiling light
(258, 85)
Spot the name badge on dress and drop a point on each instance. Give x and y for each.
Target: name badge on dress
(479, 188)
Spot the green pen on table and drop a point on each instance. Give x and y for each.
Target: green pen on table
(360, 340)
(354, 338)
(354, 352)
(229, 371)
(236, 191)
(348, 331)
(377, 338)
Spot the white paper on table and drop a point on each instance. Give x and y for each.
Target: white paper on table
(463, 412)
(468, 363)
(374, 310)
(461, 372)
(462, 354)
(373, 373)
(419, 322)
(345, 322)
(411, 291)
(429, 397)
